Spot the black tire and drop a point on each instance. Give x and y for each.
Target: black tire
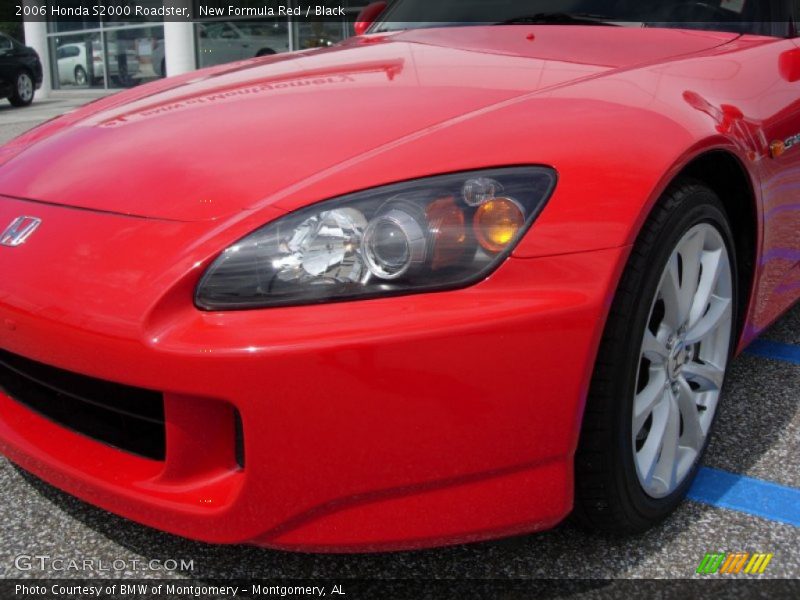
(265, 52)
(608, 494)
(163, 68)
(17, 99)
(81, 78)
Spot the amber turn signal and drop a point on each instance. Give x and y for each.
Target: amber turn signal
(497, 223)
(777, 149)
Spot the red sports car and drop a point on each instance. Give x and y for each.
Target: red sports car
(432, 285)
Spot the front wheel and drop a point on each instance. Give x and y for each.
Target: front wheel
(661, 365)
(81, 79)
(24, 90)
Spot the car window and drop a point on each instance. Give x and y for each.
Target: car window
(67, 52)
(220, 31)
(228, 33)
(5, 43)
(212, 31)
(740, 16)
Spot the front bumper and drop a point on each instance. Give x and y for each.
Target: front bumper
(382, 424)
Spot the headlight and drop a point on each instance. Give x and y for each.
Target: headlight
(429, 234)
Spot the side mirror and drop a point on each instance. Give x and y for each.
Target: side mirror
(368, 15)
(789, 65)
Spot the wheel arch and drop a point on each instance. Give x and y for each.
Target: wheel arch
(723, 172)
(716, 165)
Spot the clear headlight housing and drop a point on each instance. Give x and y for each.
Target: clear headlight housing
(429, 234)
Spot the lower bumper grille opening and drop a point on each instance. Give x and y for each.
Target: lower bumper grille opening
(127, 418)
(238, 439)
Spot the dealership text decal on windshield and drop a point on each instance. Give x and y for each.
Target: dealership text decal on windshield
(177, 10)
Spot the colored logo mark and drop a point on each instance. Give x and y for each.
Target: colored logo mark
(733, 564)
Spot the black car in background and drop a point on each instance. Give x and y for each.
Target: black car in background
(20, 71)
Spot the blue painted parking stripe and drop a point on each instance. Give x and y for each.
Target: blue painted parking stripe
(744, 494)
(775, 350)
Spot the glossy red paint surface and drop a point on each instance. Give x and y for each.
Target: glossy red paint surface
(389, 423)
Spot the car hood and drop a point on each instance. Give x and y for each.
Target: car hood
(214, 142)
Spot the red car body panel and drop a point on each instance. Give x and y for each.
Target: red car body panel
(388, 423)
(301, 106)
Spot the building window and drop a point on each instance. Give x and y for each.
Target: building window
(227, 41)
(107, 57)
(78, 61)
(135, 55)
(121, 52)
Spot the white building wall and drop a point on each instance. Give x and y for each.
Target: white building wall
(36, 38)
(179, 43)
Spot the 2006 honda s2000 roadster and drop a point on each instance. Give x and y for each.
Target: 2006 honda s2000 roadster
(432, 285)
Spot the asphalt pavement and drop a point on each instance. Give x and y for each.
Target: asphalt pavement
(14, 121)
(757, 437)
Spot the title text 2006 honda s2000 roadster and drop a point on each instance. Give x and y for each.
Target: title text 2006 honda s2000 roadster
(431, 285)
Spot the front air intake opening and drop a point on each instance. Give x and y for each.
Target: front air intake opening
(238, 439)
(128, 418)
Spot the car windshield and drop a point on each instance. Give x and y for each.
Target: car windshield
(740, 16)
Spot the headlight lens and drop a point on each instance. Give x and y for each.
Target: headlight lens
(429, 234)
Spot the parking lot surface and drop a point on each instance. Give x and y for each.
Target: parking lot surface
(14, 121)
(755, 450)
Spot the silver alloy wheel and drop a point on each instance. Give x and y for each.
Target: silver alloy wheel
(80, 77)
(682, 361)
(25, 87)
